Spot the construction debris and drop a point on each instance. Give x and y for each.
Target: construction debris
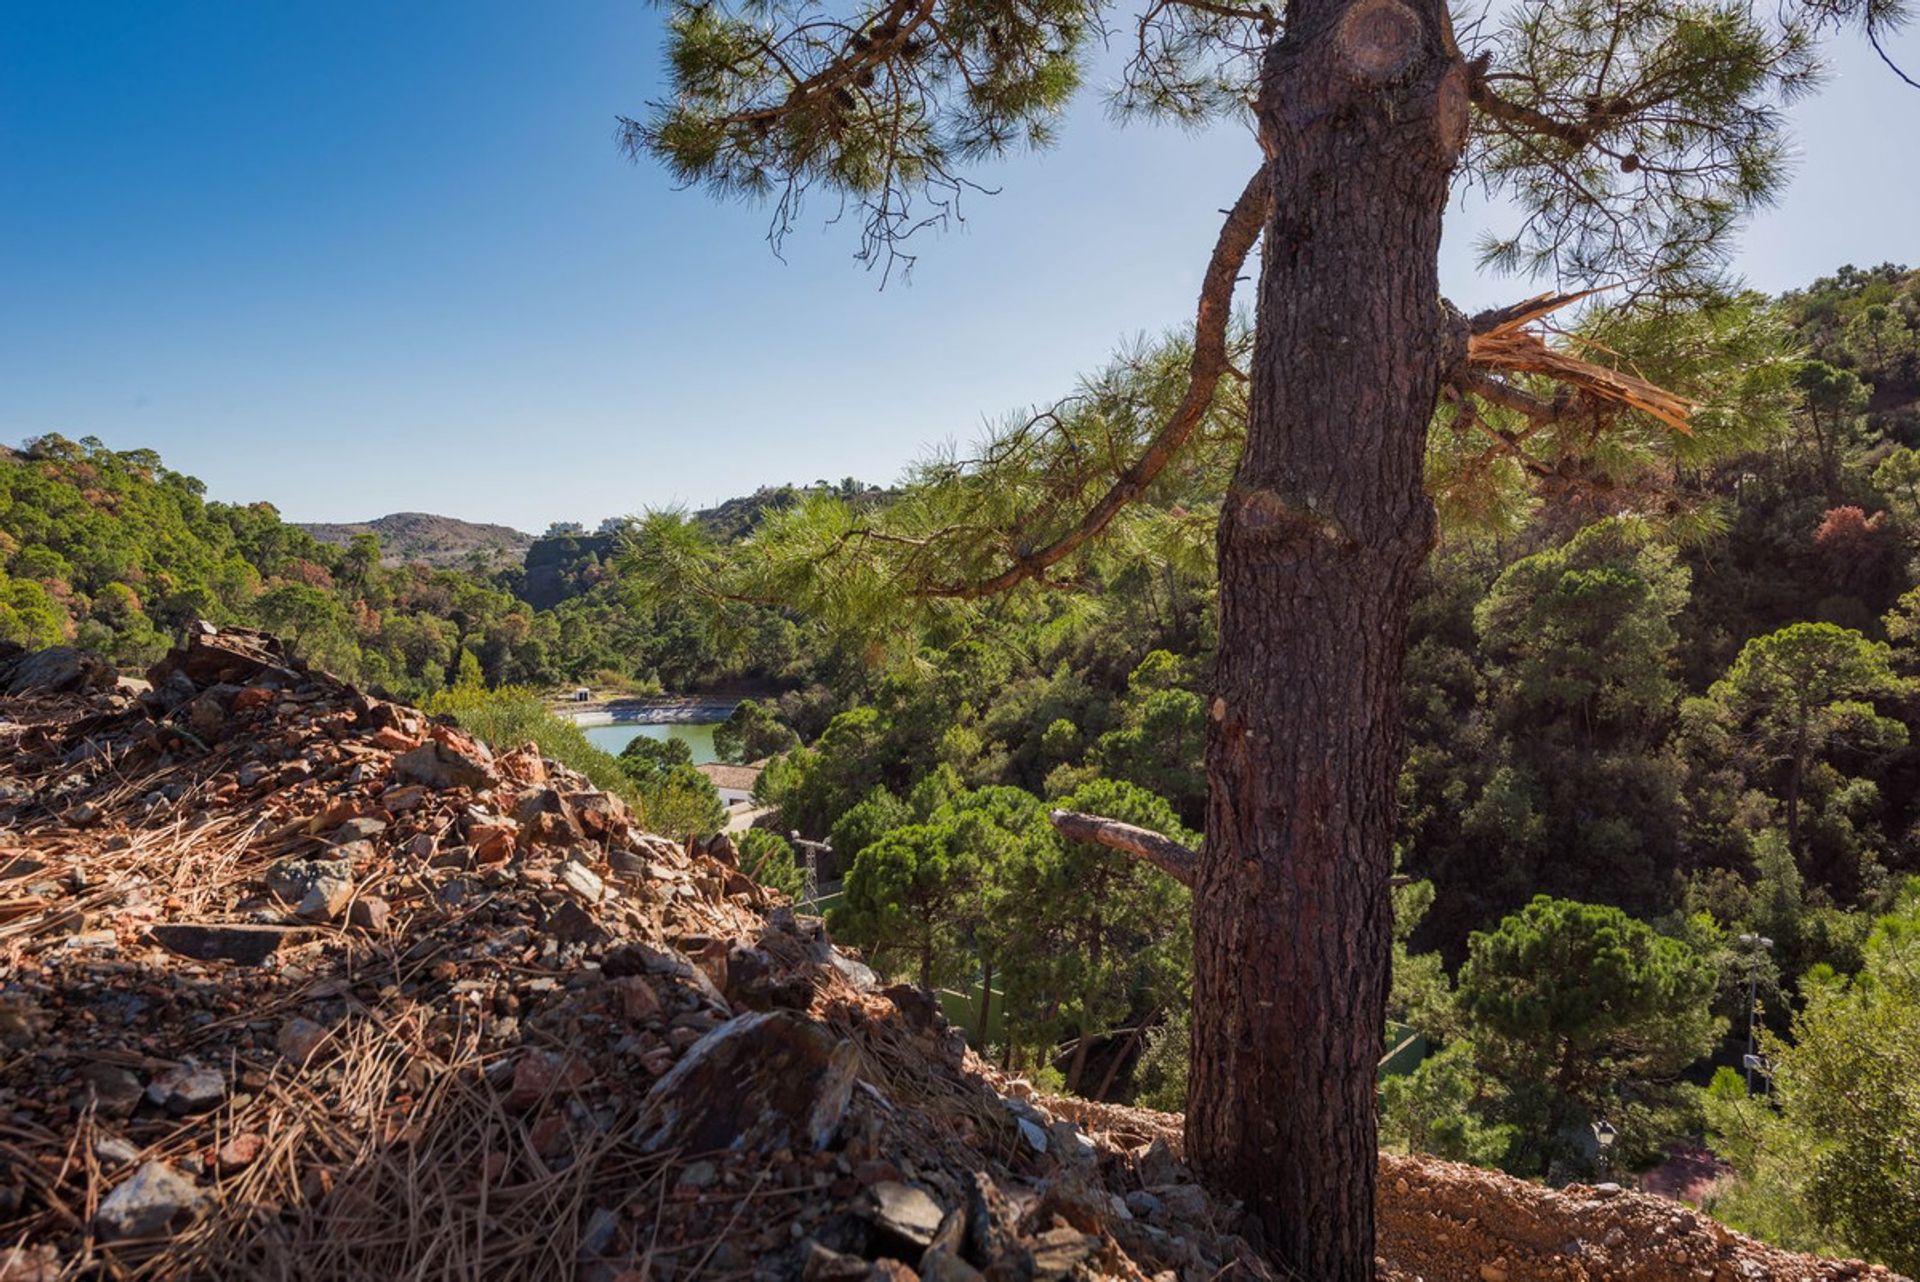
(298, 983)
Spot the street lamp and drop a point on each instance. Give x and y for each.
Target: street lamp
(1757, 944)
(1604, 1135)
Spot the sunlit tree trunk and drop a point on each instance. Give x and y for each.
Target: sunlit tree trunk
(1363, 111)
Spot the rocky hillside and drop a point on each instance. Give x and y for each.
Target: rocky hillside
(295, 983)
(443, 541)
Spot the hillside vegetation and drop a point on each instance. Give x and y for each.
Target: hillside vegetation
(1663, 770)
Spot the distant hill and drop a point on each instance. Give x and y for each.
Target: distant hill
(736, 518)
(407, 537)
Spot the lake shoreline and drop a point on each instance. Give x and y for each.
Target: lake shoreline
(666, 710)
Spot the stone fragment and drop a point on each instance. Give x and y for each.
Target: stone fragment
(30, 1264)
(326, 898)
(244, 945)
(369, 913)
(582, 881)
(1059, 1251)
(240, 1152)
(820, 1263)
(1031, 1132)
(248, 698)
(292, 878)
(572, 924)
(299, 1040)
(1183, 1201)
(437, 766)
(771, 1078)
(114, 1151)
(903, 1215)
(155, 1199)
(631, 998)
(59, 669)
(188, 1088)
(115, 1091)
(539, 1074)
(943, 1264)
(363, 829)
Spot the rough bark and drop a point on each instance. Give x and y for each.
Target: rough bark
(1363, 109)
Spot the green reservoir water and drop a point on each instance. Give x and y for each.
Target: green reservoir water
(698, 737)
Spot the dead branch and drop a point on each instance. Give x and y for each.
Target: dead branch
(1169, 856)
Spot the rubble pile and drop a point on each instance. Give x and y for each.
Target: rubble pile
(295, 982)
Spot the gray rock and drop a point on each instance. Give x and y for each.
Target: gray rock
(292, 878)
(1035, 1137)
(300, 1040)
(59, 669)
(369, 913)
(1075, 1145)
(582, 881)
(358, 830)
(943, 1264)
(602, 1227)
(903, 1213)
(210, 941)
(113, 1152)
(326, 899)
(188, 1088)
(1155, 1165)
(1145, 1205)
(438, 766)
(1184, 1201)
(115, 1091)
(768, 1078)
(155, 1199)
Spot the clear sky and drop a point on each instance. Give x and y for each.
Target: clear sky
(355, 258)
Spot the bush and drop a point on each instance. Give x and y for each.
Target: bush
(513, 715)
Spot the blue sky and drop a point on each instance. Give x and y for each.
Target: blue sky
(355, 258)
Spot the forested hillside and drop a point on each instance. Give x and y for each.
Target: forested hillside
(1662, 714)
(1662, 761)
(115, 551)
(406, 537)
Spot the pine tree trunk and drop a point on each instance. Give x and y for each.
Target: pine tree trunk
(1363, 111)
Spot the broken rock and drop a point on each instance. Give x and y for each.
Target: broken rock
(905, 1217)
(438, 766)
(775, 1078)
(155, 1199)
(188, 1088)
(243, 945)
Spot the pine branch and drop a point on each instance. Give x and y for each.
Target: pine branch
(1208, 364)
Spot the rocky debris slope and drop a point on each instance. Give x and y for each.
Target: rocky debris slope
(297, 983)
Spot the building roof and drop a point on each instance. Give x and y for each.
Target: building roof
(725, 776)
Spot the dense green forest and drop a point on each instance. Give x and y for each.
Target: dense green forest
(114, 551)
(1661, 771)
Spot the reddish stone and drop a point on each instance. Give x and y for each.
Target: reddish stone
(239, 1153)
(493, 840)
(541, 1074)
(524, 766)
(247, 698)
(393, 739)
(632, 998)
(550, 1137)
